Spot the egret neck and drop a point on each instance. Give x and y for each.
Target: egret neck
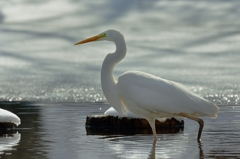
(108, 81)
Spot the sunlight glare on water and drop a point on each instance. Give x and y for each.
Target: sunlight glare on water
(39, 62)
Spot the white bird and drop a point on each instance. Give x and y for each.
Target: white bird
(146, 95)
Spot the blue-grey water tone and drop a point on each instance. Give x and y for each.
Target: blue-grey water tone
(56, 130)
(195, 43)
(56, 84)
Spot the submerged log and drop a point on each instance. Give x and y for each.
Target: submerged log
(7, 128)
(112, 125)
(8, 121)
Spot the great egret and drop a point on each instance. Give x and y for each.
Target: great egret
(146, 95)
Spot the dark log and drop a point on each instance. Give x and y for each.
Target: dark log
(110, 125)
(7, 128)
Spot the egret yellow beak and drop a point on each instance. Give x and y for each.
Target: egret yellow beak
(94, 38)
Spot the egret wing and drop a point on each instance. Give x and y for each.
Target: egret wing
(155, 94)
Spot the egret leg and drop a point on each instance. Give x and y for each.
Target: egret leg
(152, 124)
(200, 122)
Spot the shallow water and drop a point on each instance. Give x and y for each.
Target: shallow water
(57, 130)
(191, 42)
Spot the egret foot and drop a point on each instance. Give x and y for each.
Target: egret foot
(152, 124)
(200, 122)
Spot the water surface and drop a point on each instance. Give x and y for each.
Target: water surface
(58, 131)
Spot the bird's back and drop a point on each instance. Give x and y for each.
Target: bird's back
(159, 95)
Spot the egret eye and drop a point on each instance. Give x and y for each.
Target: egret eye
(103, 35)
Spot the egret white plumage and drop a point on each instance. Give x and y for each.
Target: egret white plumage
(146, 95)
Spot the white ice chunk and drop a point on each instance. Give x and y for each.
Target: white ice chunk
(6, 116)
(112, 112)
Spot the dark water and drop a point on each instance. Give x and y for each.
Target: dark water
(57, 130)
(195, 43)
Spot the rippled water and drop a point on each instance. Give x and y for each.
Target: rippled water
(58, 131)
(57, 85)
(195, 43)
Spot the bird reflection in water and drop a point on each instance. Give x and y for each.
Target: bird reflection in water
(201, 154)
(152, 152)
(156, 151)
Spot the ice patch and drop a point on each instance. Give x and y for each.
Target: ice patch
(6, 116)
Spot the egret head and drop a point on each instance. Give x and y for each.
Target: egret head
(109, 35)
